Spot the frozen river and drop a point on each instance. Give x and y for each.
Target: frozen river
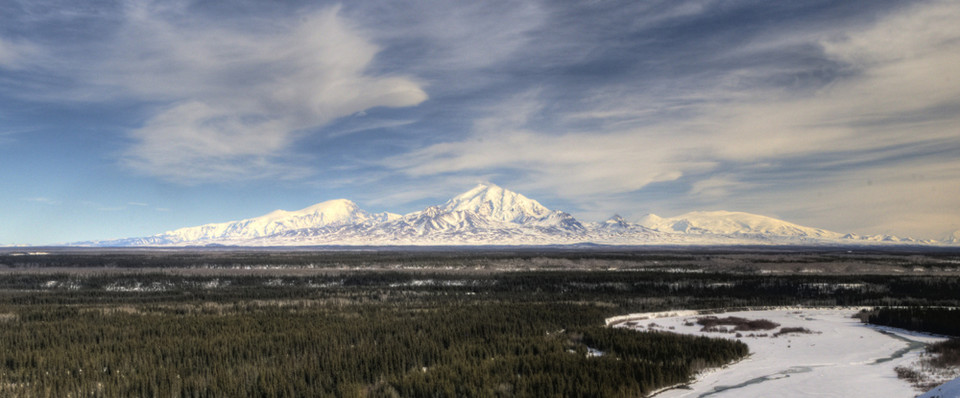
(841, 358)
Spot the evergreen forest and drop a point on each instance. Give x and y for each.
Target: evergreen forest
(420, 324)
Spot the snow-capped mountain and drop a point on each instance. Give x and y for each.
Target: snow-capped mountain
(493, 202)
(491, 215)
(889, 239)
(732, 223)
(614, 223)
(486, 214)
(953, 238)
(331, 213)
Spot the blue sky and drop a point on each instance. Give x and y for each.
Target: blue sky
(130, 118)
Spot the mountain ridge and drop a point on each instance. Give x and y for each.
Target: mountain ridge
(490, 215)
(732, 222)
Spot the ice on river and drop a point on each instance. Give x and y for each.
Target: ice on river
(841, 358)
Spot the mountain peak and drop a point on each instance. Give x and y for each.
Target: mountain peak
(731, 223)
(485, 191)
(489, 214)
(615, 222)
(497, 203)
(952, 238)
(650, 219)
(331, 206)
(335, 212)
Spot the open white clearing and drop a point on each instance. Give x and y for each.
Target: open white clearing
(949, 389)
(841, 358)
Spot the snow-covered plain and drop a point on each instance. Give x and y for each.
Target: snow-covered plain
(841, 358)
(949, 389)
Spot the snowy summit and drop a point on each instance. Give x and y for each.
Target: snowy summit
(490, 215)
(499, 204)
(732, 223)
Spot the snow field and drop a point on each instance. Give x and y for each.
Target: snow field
(841, 358)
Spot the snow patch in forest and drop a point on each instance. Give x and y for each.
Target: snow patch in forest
(138, 287)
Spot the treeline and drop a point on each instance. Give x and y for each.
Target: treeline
(945, 321)
(631, 291)
(334, 258)
(484, 349)
(443, 257)
(667, 348)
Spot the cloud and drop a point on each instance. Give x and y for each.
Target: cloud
(716, 187)
(913, 197)
(243, 96)
(102, 207)
(413, 195)
(367, 125)
(440, 37)
(789, 113)
(18, 54)
(44, 200)
(775, 108)
(229, 97)
(570, 164)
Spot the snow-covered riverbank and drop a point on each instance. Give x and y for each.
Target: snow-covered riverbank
(839, 358)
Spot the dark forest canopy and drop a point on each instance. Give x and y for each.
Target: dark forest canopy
(433, 327)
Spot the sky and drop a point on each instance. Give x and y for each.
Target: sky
(131, 118)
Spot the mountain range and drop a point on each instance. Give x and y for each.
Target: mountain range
(491, 215)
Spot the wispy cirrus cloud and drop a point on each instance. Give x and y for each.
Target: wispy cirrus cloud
(42, 199)
(842, 115)
(18, 54)
(437, 37)
(230, 96)
(244, 98)
(874, 98)
(571, 163)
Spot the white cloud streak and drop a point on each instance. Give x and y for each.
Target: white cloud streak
(232, 96)
(571, 164)
(744, 127)
(44, 200)
(16, 55)
(461, 36)
(243, 95)
(897, 80)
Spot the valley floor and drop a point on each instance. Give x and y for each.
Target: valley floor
(841, 357)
